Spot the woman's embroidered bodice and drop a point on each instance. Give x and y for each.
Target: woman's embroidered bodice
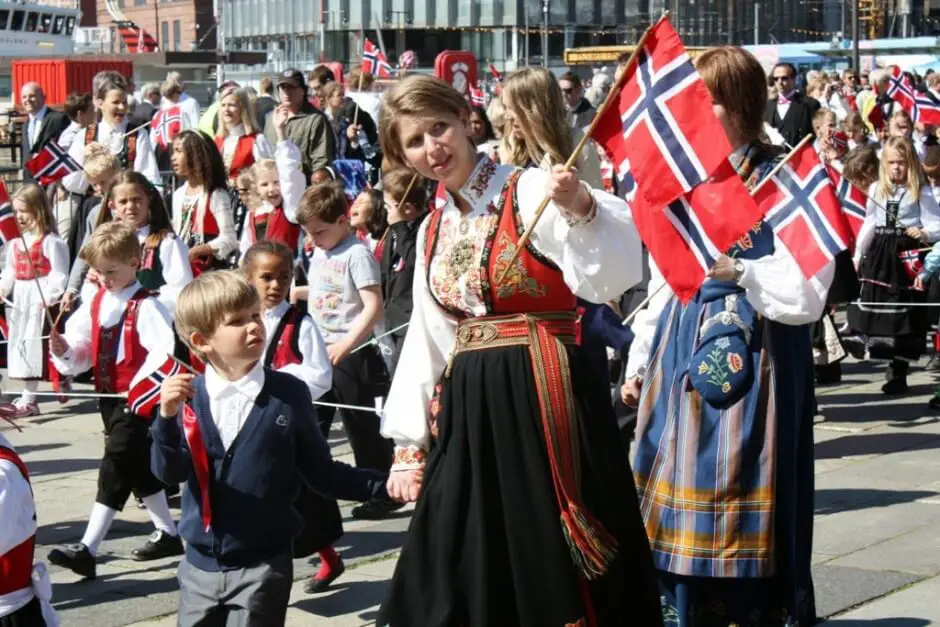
(466, 254)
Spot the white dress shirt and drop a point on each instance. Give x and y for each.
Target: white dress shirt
(177, 271)
(230, 402)
(315, 369)
(260, 150)
(154, 328)
(226, 242)
(293, 184)
(34, 124)
(145, 161)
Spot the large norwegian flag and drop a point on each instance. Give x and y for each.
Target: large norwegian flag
(374, 62)
(8, 228)
(688, 235)
(144, 396)
(166, 125)
(51, 164)
(800, 204)
(660, 125)
(854, 202)
(920, 106)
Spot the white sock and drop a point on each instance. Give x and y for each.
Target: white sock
(28, 396)
(98, 524)
(159, 512)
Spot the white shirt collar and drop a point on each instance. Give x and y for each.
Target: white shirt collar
(250, 384)
(127, 292)
(105, 128)
(236, 130)
(143, 231)
(40, 114)
(277, 312)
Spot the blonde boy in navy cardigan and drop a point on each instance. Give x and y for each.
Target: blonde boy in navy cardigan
(243, 443)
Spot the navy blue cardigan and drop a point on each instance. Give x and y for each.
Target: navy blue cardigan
(253, 485)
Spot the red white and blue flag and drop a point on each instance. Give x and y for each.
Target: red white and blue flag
(922, 107)
(51, 164)
(800, 203)
(477, 97)
(661, 122)
(166, 125)
(854, 202)
(912, 263)
(144, 396)
(8, 228)
(374, 62)
(688, 235)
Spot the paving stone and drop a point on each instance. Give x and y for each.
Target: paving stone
(847, 531)
(915, 606)
(915, 552)
(839, 587)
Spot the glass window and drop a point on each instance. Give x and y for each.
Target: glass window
(58, 24)
(164, 35)
(177, 34)
(32, 21)
(45, 23)
(4, 16)
(140, 3)
(69, 25)
(17, 22)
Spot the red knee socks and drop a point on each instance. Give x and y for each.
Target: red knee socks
(329, 562)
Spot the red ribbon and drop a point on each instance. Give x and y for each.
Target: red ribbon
(197, 451)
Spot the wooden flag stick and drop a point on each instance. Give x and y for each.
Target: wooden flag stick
(131, 132)
(358, 90)
(573, 159)
(753, 192)
(32, 268)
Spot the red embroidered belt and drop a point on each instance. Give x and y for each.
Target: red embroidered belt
(546, 335)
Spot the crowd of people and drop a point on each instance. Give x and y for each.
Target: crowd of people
(312, 253)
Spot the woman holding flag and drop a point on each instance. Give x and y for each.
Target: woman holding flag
(724, 461)
(527, 511)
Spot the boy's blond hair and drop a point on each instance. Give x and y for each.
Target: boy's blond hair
(111, 241)
(99, 160)
(204, 303)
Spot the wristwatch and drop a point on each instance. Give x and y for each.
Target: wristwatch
(738, 270)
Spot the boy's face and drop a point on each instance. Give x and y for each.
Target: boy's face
(270, 274)
(115, 275)
(325, 235)
(268, 187)
(237, 341)
(102, 183)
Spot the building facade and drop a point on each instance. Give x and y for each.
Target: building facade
(177, 25)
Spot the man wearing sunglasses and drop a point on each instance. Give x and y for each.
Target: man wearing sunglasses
(580, 111)
(791, 113)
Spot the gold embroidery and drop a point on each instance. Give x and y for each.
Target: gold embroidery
(516, 278)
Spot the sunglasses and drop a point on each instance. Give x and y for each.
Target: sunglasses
(778, 79)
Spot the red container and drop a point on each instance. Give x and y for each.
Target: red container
(61, 77)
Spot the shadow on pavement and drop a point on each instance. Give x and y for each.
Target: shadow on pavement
(45, 467)
(67, 532)
(26, 449)
(844, 500)
(67, 596)
(875, 444)
(364, 544)
(355, 596)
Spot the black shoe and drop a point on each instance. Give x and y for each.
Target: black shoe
(376, 509)
(895, 386)
(934, 403)
(315, 586)
(934, 364)
(854, 346)
(77, 558)
(160, 544)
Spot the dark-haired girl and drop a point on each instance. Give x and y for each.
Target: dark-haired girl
(202, 208)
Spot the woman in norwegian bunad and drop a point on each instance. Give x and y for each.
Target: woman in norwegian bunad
(240, 143)
(526, 513)
(724, 436)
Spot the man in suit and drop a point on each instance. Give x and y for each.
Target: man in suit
(791, 113)
(42, 125)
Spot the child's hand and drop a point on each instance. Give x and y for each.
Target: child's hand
(174, 392)
(281, 115)
(92, 276)
(337, 351)
(919, 284)
(68, 299)
(630, 391)
(57, 344)
(404, 485)
(352, 132)
(915, 233)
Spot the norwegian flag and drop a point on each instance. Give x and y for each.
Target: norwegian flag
(912, 263)
(495, 73)
(661, 122)
(688, 235)
(51, 164)
(477, 97)
(921, 107)
(800, 204)
(144, 397)
(8, 228)
(166, 125)
(854, 202)
(374, 62)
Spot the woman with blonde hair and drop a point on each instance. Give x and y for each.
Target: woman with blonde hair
(724, 385)
(240, 143)
(526, 510)
(537, 132)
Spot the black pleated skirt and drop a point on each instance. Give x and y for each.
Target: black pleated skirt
(485, 547)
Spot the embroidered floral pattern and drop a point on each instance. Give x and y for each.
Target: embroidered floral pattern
(517, 278)
(455, 271)
(409, 456)
(735, 363)
(434, 409)
(479, 180)
(716, 370)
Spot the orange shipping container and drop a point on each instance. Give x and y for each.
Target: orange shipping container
(61, 77)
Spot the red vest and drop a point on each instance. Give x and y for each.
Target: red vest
(244, 156)
(284, 348)
(22, 265)
(277, 228)
(534, 284)
(111, 376)
(208, 229)
(16, 565)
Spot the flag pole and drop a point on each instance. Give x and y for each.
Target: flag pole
(753, 192)
(573, 159)
(32, 268)
(358, 90)
(135, 130)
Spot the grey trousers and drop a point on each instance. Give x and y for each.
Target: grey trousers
(247, 597)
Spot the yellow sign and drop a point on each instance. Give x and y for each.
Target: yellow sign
(593, 55)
